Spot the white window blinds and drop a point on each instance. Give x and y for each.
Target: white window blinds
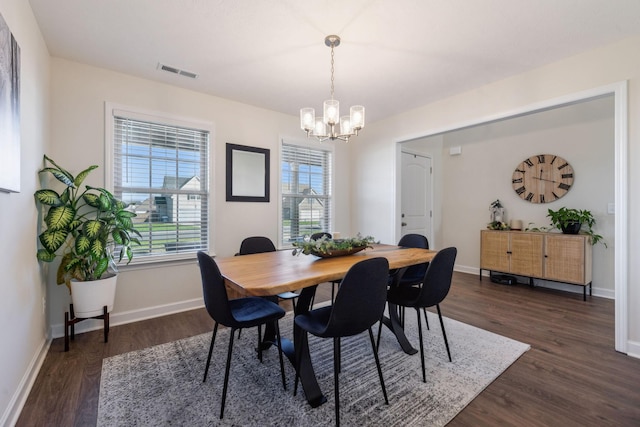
(162, 170)
(306, 192)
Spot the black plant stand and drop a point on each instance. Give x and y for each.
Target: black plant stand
(69, 323)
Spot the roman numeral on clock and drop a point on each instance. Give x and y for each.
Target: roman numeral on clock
(564, 186)
(521, 190)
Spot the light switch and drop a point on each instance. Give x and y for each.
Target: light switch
(611, 208)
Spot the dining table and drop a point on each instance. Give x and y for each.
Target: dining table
(271, 273)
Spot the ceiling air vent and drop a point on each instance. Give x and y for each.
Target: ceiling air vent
(177, 71)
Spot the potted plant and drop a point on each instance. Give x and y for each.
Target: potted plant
(84, 228)
(572, 221)
(327, 248)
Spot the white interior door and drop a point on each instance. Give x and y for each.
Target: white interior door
(416, 194)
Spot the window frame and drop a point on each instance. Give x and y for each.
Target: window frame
(111, 111)
(307, 144)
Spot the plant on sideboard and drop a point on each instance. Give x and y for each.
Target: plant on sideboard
(572, 221)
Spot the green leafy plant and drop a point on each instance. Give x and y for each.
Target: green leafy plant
(84, 227)
(498, 225)
(325, 246)
(564, 218)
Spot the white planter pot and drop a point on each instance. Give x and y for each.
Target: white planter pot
(89, 298)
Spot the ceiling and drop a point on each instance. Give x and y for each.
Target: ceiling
(395, 55)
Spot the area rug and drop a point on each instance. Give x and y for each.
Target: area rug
(162, 385)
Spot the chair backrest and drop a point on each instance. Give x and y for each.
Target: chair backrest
(256, 245)
(414, 241)
(415, 273)
(360, 299)
(437, 279)
(318, 236)
(214, 291)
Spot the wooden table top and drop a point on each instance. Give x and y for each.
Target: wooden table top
(271, 273)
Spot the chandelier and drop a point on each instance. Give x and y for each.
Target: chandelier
(331, 125)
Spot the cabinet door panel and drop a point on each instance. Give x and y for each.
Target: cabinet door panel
(493, 250)
(526, 254)
(565, 258)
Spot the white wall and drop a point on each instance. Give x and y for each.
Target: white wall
(23, 287)
(374, 149)
(78, 95)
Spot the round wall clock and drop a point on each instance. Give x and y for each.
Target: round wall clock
(542, 178)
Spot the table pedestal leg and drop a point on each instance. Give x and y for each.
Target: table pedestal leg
(307, 374)
(393, 323)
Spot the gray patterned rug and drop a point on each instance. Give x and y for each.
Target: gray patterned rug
(162, 385)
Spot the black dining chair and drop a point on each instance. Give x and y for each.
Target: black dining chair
(260, 244)
(412, 275)
(318, 236)
(235, 314)
(434, 289)
(358, 305)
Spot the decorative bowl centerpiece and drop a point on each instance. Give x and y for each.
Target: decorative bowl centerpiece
(329, 248)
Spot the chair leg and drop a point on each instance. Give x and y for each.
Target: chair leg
(336, 369)
(284, 382)
(379, 334)
(213, 339)
(424, 375)
(426, 319)
(260, 343)
(339, 356)
(444, 334)
(226, 373)
(375, 355)
(333, 291)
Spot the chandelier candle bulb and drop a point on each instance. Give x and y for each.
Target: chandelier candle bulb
(307, 118)
(320, 128)
(357, 117)
(331, 111)
(345, 124)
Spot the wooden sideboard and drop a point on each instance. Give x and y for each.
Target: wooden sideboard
(550, 256)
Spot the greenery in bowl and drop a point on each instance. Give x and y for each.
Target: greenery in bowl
(327, 247)
(564, 218)
(84, 227)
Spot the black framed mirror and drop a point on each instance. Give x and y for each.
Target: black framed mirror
(247, 173)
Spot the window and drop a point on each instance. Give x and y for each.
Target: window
(161, 169)
(305, 179)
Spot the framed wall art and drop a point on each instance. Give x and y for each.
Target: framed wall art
(247, 173)
(9, 110)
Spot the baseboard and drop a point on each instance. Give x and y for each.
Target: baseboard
(597, 292)
(121, 318)
(633, 349)
(10, 416)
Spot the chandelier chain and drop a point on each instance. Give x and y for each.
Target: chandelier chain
(332, 71)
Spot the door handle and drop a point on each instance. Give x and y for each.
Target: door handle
(404, 224)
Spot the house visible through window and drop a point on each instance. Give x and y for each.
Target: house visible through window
(162, 171)
(306, 192)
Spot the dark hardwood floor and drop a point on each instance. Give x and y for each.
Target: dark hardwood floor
(572, 376)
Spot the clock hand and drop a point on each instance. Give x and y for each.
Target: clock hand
(542, 179)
